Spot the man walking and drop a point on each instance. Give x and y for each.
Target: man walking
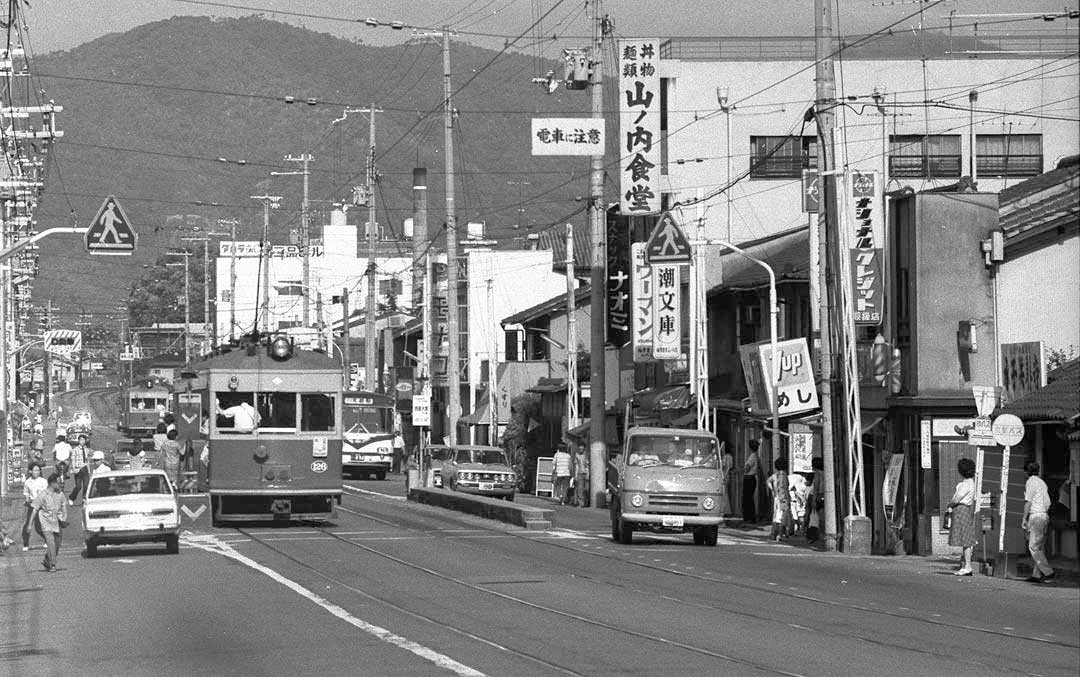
(561, 474)
(80, 458)
(1036, 520)
(581, 477)
(50, 510)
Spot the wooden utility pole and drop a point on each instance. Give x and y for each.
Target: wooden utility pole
(232, 223)
(371, 370)
(269, 202)
(346, 358)
(305, 230)
(597, 299)
(825, 77)
(453, 362)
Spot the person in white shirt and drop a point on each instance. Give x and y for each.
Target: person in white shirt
(1036, 520)
(32, 486)
(561, 474)
(244, 416)
(61, 456)
(962, 532)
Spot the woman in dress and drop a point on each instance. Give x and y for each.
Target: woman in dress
(777, 486)
(962, 506)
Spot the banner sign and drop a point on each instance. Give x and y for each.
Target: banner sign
(1023, 369)
(568, 136)
(642, 304)
(618, 279)
(867, 226)
(802, 448)
(667, 318)
(253, 248)
(639, 126)
(63, 342)
(926, 440)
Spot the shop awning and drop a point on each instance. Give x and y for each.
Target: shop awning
(478, 417)
(664, 399)
(580, 431)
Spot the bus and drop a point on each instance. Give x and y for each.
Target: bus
(368, 440)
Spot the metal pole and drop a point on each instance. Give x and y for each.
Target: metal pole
(453, 367)
(572, 415)
(5, 412)
(305, 242)
(269, 202)
(207, 334)
(493, 367)
(826, 121)
(371, 374)
(597, 212)
(187, 310)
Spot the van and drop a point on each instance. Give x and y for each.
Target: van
(667, 480)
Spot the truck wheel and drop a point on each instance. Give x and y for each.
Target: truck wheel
(711, 535)
(91, 550)
(172, 544)
(699, 536)
(620, 530)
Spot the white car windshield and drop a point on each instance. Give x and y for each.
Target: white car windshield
(126, 485)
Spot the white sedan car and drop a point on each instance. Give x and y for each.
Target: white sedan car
(131, 506)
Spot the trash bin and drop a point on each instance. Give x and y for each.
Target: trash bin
(858, 535)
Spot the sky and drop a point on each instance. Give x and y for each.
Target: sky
(63, 24)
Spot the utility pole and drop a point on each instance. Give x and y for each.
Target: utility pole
(187, 302)
(825, 77)
(305, 230)
(371, 373)
(346, 358)
(597, 212)
(209, 336)
(493, 367)
(269, 202)
(572, 414)
(232, 223)
(453, 366)
(46, 362)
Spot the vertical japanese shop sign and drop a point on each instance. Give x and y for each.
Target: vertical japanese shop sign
(866, 253)
(618, 278)
(642, 304)
(667, 320)
(639, 126)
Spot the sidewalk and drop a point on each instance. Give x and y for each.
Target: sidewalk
(598, 521)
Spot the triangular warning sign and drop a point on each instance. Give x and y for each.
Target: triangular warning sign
(110, 232)
(668, 243)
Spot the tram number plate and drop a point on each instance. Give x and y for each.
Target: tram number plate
(672, 521)
(487, 486)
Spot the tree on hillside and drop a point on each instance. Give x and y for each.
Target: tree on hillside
(159, 295)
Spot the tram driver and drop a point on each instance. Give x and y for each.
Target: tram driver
(245, 417)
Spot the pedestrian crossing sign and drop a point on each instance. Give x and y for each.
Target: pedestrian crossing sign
(668, 243)
(110, 233)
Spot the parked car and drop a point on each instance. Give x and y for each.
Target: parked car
(480, 470)
(131, 506)
(82, 419)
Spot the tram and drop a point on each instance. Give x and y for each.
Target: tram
(368, 422)
(268, 436)
(141, 406)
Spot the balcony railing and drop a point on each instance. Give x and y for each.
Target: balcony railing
(1009, 165)
(914, 166)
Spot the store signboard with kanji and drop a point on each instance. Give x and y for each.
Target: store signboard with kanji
(866, 232)
(618, 278)
(639, 126)
(642, 303)
(568, 136)
(796, 391)
(667, 318)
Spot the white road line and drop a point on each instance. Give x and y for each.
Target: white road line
(372, 493)
(212, 545)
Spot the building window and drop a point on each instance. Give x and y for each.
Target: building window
(1008, 154)
(924, 156)
(782, 157)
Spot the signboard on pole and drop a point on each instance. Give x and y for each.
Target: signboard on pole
(811, 191)
(867, 224)
(639, 126)
(618, 278)
(892, 483)
(802, 449)
(421, 404)
(926, 440)
(986, 399)
(667, 315)
(568, 136)
(981, 434)
(63, 342)
(667, 243)
(110, 233)
(1008, 430)
(642, 302)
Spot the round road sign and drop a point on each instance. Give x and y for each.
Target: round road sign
(1008, 430)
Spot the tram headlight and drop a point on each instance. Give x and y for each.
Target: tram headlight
(708, 503)
(280, 348)
(637, 500)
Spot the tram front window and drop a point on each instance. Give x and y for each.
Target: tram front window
(275, 412)
(316, 412)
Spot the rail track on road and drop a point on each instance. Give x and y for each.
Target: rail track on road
(400, 520)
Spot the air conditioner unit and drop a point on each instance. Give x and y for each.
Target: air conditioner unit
(396, 321)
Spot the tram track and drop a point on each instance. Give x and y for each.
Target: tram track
(483, 590)
(743, 612)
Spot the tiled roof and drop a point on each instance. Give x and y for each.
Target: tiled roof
(556, 304)
(1058, 401)
(1045, 202)
(555, 240)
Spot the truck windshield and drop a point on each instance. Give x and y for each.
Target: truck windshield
(674, 450)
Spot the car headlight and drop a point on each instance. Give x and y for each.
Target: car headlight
(637, 500)
(708, 503)
(466, 476)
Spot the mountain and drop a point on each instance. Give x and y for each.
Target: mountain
(147, 114)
